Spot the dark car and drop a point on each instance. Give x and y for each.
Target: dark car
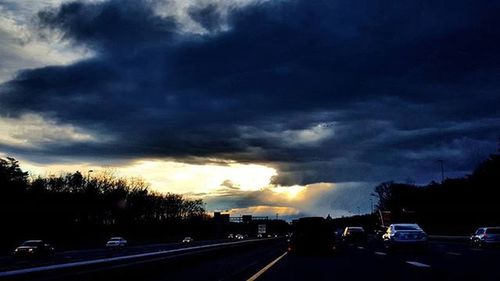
(354, 235)
(405, 235)
(34, 248)
(312, 235)
(486, 237)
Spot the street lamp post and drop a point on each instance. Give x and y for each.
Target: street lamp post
(88, 175)
(442, 169)
(371, 199)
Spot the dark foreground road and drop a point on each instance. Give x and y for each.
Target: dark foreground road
(268, 260)
(442, 261)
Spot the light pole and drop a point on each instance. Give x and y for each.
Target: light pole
(442, 169)
(371, 199)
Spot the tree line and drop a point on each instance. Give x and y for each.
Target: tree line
(88, 208)
(455, 206)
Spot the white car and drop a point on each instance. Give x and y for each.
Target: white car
(116, 242)
(404, 234)
(187, 240)
(486, 236)
(239, 237)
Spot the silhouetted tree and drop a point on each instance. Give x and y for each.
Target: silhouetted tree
(456, 205)
(71, 205)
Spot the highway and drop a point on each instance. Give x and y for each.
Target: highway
(268, 260)
(10, 263)
(442, 261)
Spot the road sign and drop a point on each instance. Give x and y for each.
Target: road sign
(261, 229)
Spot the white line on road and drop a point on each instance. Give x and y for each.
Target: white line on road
(453, 254)
(258, 274)
(380, 253)
(418, 264)
(361, 248)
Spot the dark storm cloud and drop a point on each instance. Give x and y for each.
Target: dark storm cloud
(403, 83)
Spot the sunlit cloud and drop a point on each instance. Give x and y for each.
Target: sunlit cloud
(35, 131)
(265, 211)
(321, 199)
(182, 11)
(176, 177)
(170, 176)
(21, 45)
(312, 135)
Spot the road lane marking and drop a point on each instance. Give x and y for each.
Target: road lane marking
(361, 248)
(118, 258)
(258, 274)
(380, 253)
(453, 254)
(418, 264)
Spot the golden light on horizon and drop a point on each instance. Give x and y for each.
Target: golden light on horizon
(175, 177)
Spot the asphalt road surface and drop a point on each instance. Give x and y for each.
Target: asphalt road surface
(442, 261)
(270, 261)
(11, 263)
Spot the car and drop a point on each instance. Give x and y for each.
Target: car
(405, 235)
(230, 236)
(239, 237)
(187, 240)
(116, 242)
(259, 235)
(354, 235)
(34, 248)
(312, 235)
(486, 237)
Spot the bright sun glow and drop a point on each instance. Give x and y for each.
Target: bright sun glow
(291, 192)
(176, 177)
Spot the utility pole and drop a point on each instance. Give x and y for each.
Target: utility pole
(442, 170)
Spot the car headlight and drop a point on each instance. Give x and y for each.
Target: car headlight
(30, 250)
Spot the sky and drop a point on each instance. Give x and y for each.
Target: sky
(295, 107)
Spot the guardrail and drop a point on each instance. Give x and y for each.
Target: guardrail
(123, 259)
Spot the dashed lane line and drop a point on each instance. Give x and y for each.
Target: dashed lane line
(381, 253)
(418, 264)
(453, 254)
(266, 268)
(361, 248)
